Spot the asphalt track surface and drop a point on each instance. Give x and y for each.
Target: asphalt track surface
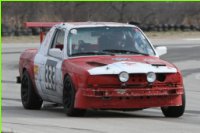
(184, 53)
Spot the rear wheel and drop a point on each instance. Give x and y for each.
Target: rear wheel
(69, 98)
(174, 111)
(30, 99)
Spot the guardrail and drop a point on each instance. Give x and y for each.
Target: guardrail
(169, 27)
(166, 27)
(6, 31)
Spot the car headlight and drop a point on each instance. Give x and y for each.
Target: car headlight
(123, 76)
(151, 77)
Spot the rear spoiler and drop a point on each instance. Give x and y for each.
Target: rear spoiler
(41, 25)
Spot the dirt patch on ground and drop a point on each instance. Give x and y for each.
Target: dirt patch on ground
(150, 35)
(21, 39)
(172, 35)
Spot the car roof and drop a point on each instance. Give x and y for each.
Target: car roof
(93, 24)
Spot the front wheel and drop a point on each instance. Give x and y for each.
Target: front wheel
(174, 111)
(69, 98)
(30, 99)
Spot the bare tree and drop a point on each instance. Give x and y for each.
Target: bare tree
(15, 13)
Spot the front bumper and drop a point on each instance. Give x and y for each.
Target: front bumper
(132, 98)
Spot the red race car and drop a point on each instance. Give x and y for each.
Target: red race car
(99, 65)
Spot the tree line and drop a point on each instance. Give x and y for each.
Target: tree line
(158, 16)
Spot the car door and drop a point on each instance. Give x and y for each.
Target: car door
(52, 75)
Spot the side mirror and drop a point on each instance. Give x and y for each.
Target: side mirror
(161, 50)
(55, 52)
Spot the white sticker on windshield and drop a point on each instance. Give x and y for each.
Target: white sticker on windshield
(74, 31)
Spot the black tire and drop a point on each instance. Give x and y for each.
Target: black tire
(174, 111)
(69, 98)
(30, 99)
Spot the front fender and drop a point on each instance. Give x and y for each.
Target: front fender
(78, 75)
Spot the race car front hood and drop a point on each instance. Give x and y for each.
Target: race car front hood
(131, 67)
(107, 65)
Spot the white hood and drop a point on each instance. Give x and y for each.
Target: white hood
(130, 67)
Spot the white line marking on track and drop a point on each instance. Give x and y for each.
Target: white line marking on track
(181, 46)
(192, 39)
(197, 76)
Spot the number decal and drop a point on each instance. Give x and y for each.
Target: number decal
(50, 69)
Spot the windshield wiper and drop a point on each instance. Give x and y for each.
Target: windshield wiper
(92, 53)
(124, 51)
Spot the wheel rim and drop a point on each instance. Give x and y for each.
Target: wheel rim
(24, 90)
(67, 94)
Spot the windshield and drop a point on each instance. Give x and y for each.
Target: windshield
(107, 40)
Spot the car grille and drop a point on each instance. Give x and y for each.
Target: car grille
(135, 81)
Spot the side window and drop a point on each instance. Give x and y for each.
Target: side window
(58, 41)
